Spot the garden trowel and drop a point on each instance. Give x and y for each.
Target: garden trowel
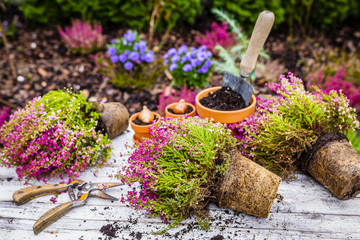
(259, 35)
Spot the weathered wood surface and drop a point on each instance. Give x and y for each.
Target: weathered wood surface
(304, 210)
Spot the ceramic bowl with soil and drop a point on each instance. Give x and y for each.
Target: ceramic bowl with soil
(180, 109)
(223, 105)
(141, 124)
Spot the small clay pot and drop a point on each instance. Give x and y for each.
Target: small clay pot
(114, 118)
(247, 187)
(223, 116)
(141, 131)
(172, 115)
(336, 165)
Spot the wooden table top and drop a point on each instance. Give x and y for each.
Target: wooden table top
(303, 210)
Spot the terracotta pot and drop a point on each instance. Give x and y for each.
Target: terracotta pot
(223, 116)
(172, 105)
(141, 131)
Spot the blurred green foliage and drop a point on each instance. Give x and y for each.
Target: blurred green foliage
(129, 13)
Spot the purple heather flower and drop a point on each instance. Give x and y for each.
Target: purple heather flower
(126, 52)
(114, 59)
(208, 63)
(128, 65)
(183, 49)
(149, 56)
(129, 36)
(187, 68)
(113, 41)
(122, 58)
(173, 67)
(175, 58)
(111, 51)
(172, 51)
(134, 56)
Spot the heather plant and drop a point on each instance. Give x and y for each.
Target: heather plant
(336, 70)
(54, 136)
(217, 36)
(301, 118)
(130, 63)
(178, 169)
(83, 38)
(169, 96)
(189, 66)
(229, 60)
(4, 114)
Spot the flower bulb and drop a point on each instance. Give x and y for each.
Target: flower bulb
(180, 107)
(146, 116)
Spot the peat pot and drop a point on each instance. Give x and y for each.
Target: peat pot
(223, 116)
(114, 118)
(335, 164)
(247, 187)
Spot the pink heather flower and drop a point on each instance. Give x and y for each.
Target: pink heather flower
(82, 37)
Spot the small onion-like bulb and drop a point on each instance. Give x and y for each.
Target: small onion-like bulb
(146, 116)
(180, 107)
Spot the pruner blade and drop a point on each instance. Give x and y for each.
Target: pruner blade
(103, 195)
(103, 186)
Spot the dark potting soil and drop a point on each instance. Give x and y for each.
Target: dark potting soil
(189, 109)
(224, 99)
(137, 121)
(217, 237)
(109, 230)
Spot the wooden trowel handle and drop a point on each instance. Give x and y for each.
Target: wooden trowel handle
(259, 35)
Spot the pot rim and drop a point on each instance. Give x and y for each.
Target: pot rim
(197, 101)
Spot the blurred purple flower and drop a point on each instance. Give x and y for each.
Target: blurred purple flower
(202, 48)
(149, 56)
(201, 56)
(136, 46)
(166, 55)
(175, 58)
(208, 63)
(173, 67)
(187, 68)
(172, 51)
(134, 56)
(113, 41)
(129, 36)
(122, 58)
(192, 49)
(125, 42)
(128, 65)
(183, 49)
(126, 52)
(204, 69)
(111, 51)
(166, 62)
(184, 59)
(114, 59)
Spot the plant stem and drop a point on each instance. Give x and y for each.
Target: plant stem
(152, 20)
(9, 55)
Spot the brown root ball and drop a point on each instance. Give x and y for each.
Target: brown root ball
(115, 117)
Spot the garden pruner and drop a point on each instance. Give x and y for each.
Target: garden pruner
(78, 190)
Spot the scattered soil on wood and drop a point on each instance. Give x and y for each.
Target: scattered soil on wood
(110, 230)
(189, 109)
(137, 121)
(217, 237)
(224, 99)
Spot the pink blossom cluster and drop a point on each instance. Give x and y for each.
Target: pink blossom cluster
(4, 113)
(218, 36)
(336, 82)
(264, 104)
(168, 97)
(82, 37)
(41, 146)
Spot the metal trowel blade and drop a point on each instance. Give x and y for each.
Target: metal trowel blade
(239, 85)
